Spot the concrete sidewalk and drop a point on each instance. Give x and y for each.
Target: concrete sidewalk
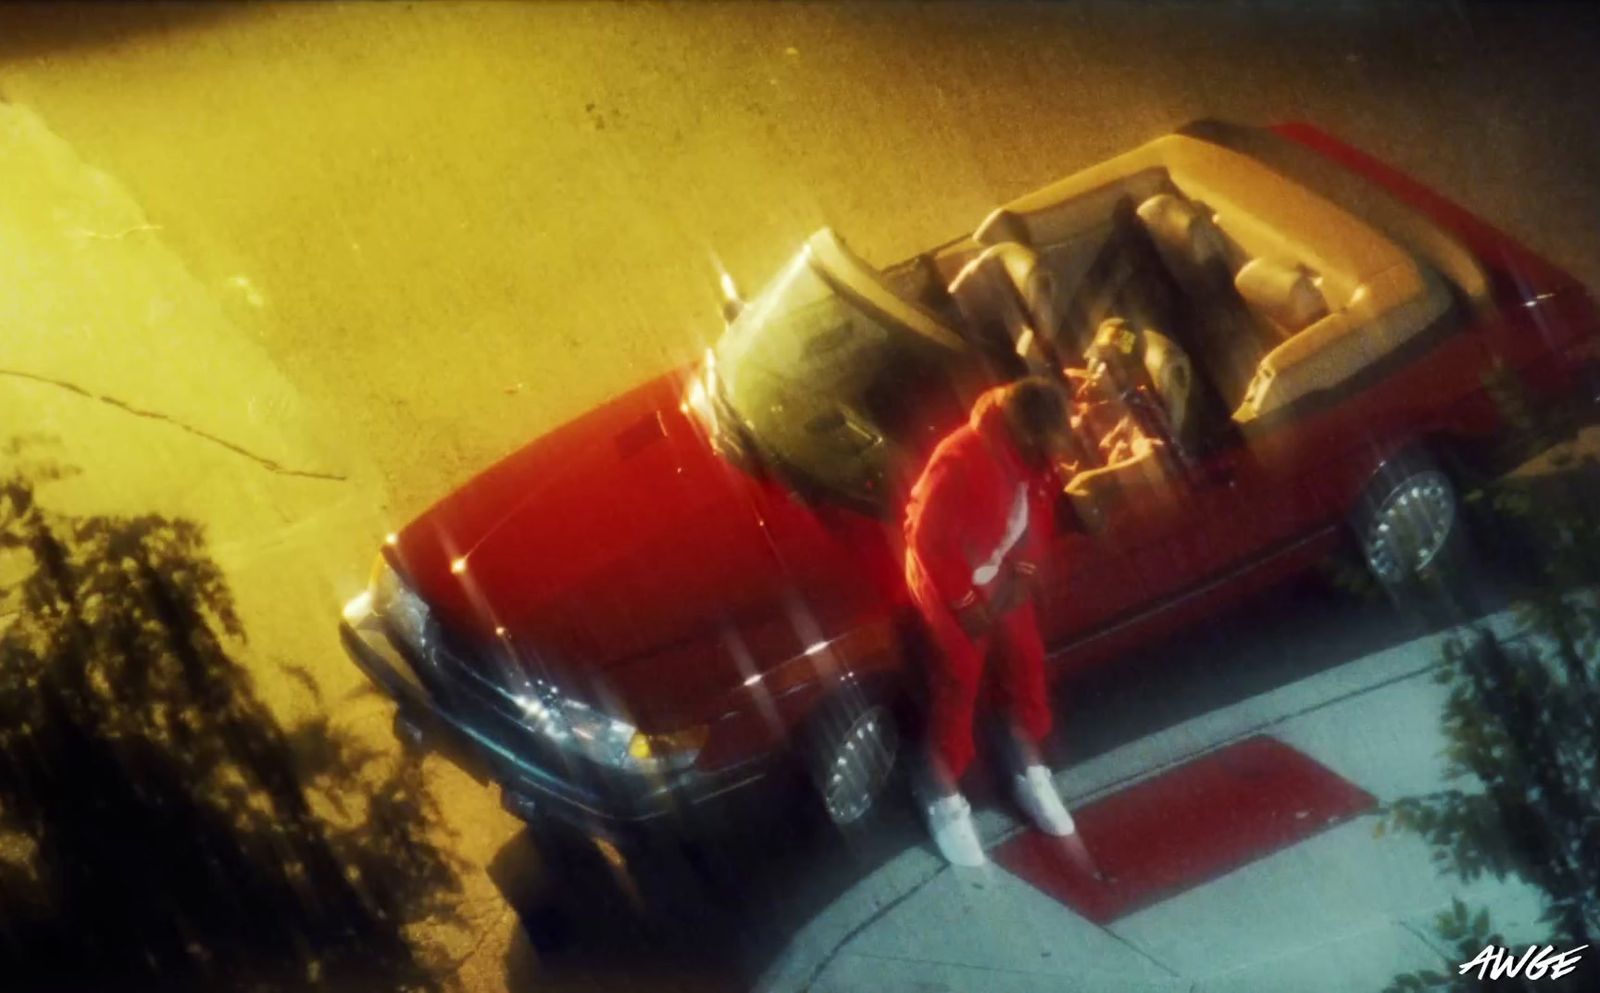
(1342, 910)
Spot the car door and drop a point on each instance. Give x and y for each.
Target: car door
(1093, 580)
(1156, 538)
(1231, 509)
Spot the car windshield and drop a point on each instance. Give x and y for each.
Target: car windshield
(832, 376)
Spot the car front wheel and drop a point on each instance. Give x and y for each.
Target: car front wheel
(853, 747)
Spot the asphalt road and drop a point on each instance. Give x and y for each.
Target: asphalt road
(454, 226)
(457, 225)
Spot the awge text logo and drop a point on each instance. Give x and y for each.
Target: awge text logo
(1536, 963)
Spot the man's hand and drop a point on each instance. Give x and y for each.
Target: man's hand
(975, 619)
(1024, 575)
(1016, 586)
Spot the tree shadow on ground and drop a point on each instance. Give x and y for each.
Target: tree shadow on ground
(1522, 722)
(159, 829)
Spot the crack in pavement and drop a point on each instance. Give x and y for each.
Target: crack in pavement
(1431, 944)
(485, 934)
(1142, 953)
(971, 966)
(269, 464)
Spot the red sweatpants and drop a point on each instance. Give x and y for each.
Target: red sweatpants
(956, 670)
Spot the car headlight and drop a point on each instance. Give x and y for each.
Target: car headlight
(567, 723)
(402, 611)
(600, 737)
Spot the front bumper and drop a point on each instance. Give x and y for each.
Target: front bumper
(538, 782)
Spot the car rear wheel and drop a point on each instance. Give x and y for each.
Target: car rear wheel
(853, 750)
(1411, 531)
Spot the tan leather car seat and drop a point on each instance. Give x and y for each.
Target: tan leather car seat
(1006, 297)
(1284, 294)
(1185, 236)
(1218, 328)
(1172, 376)
(1386, 311)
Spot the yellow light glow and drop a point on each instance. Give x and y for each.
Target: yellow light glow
(391, 539)
(644, 746)
(358, 607)
(459, 565)
(611, 853)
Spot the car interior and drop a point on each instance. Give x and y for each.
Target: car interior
(1273, 272)
(1258, 294)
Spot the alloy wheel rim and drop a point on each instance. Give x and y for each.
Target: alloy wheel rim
(1411, 526)
(860, 765)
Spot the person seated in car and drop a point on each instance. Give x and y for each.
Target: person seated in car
(1115, 406)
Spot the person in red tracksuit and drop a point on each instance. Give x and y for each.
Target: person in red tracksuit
(978, 526)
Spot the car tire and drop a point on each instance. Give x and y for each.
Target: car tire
(410, 731)
(853, 750)
(1411, 530)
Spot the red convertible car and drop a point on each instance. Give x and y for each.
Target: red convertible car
(696, 587)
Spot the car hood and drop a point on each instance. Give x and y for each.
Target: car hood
(619, 536)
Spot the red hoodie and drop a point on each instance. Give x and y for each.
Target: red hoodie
(963, 519)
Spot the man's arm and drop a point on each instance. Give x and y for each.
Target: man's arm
(935, 533)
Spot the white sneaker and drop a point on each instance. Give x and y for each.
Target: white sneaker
(1036, 795)
(950, 822)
